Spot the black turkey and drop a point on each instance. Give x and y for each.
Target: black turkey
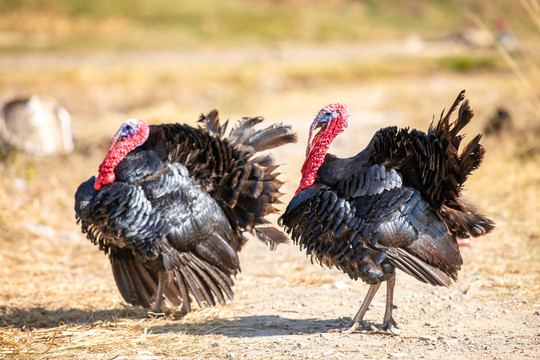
(396, 204)
(172, 203)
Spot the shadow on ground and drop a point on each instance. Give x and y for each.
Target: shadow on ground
(249, 326)
(40, 318)
(253, 326)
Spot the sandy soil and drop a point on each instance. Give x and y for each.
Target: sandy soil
(283, 309)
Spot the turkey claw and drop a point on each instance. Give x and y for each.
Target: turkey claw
(349, 330)
(390, 326)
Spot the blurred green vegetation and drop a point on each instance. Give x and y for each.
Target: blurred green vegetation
(471, 63)
(132, 24)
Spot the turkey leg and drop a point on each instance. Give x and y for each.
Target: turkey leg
(389, 321)
(162, 280)
(359, 317)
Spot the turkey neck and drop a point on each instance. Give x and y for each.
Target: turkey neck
(117, 153)
(314, 159)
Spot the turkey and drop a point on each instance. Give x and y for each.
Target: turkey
(171, 205)
(396, 204)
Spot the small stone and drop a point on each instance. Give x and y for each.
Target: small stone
(399, 355)
(340, 285)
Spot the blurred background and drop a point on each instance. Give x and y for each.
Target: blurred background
(91, 65)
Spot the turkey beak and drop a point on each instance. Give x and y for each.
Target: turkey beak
(318, 123)
(118, 137)
(311, 128)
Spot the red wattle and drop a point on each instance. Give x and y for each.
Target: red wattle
(97, 184)
(104, 179)
(117, 151)
(317, 149)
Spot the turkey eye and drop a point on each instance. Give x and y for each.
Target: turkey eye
(128, 127)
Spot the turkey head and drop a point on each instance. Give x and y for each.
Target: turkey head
(331, 121)
(131, 134)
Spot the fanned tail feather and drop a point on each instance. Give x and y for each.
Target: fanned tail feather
(250, 187)
(273, 136)
(211, 123)
(471, 157)
(461, 218)
(466, 224)
(243, 129)
(457, 167)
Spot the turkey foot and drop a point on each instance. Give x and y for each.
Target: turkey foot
(388, 321)
(359, 317)
(389, 325)
(349, 330)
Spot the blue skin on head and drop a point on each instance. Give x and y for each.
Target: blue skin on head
(127, 130)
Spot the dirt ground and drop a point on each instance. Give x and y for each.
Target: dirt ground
(58, 299)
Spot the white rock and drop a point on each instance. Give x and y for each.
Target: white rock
(340, 285)
(399, 355)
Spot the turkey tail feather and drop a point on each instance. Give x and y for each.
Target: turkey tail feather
(232, 170)
(244, 129)
(419, 269)
(191, 275)
(249, 187)
(270, 236)
(434, 165)
(129, 283)
(271, 137)
(211, 123)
